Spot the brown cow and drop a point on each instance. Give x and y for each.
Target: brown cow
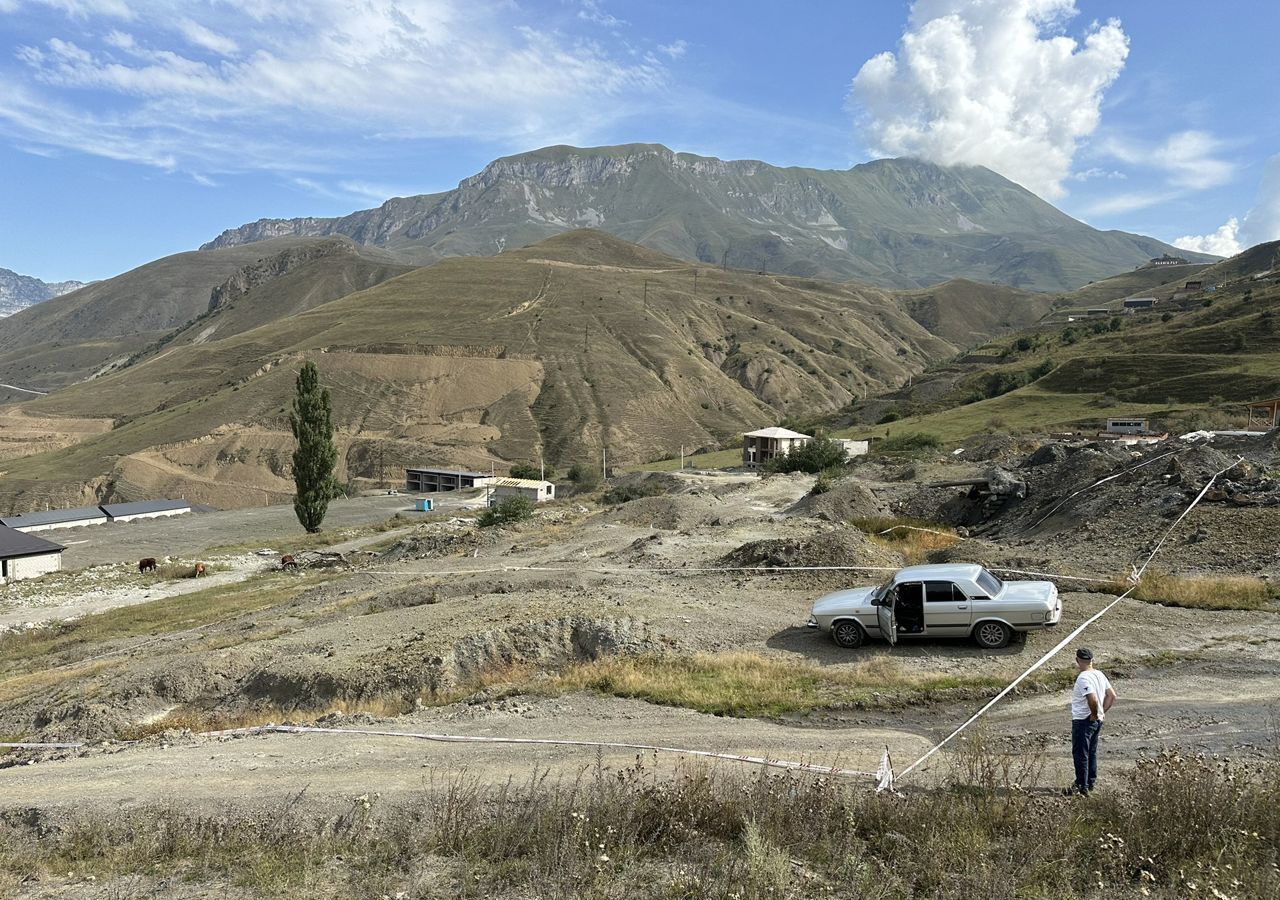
(199, 570)
(288, 562)
(146, 565)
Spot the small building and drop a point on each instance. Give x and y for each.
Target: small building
(1128, 425)
(55, 518)
(758, 447)
(1139, 302)
(854, 448)
(1094, 313)
(145, 509)
(1193, 286)
(27, 556)
(431, 481)
(1265, 414)
(529, 488)
(1165, 259)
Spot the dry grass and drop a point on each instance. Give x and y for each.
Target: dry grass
(1213, 592)
(916, 539)
(194, 719)
(1173, 826)
(748, 684)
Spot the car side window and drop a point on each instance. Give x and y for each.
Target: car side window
(943, 592)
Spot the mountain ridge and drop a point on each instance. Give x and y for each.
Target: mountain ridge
(893, 223)
(17, 292)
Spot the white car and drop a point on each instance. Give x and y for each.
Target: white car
(938, 601)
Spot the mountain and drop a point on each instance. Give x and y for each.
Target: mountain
(896, 223)
(17, 292)
(101, 326)
(552, 351)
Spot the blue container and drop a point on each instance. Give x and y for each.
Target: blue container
(423, 504)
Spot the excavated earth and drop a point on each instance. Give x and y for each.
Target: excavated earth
(436, 633)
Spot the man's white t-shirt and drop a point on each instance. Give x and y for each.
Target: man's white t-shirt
(1088, 682)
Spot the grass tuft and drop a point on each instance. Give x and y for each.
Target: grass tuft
(1212, 592)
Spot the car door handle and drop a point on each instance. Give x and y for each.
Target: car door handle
(962, 607)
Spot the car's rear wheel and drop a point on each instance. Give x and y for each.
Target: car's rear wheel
(848, 635)
(992, 635)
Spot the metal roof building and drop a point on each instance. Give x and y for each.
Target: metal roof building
(26, 556)
(56, 518)
(145, 509)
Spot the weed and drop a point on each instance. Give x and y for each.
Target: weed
(1214, 592)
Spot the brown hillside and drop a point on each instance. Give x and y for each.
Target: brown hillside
(551, 351)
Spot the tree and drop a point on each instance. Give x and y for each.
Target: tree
(510, 509)
(822, 452)
(316, 455)
(529, 470)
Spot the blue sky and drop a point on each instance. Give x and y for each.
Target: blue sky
(131, 129)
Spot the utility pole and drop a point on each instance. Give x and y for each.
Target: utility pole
(604, 462)
(682, 457)
(586, 331)
(646, 295)
(695, 281)
(724, 259)
(382, 469)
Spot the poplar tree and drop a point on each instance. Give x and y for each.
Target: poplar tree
(317, 454)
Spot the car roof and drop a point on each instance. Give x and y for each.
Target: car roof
(967, 571)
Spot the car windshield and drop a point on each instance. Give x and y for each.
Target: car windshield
(989, 583)
(882, 591)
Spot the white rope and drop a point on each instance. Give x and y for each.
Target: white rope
(29, 745)
(552, 742)
(1134, 578)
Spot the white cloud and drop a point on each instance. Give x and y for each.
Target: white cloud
(1260, 225)
(1131, 201)
(1097, 172)
(675, 49)
(993, 83)
(189, 83)
(1189, 159)
(1223, 242)
(592, 11)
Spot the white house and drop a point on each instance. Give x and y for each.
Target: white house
(56, 518)
(532, 489)
(758, 447)
(145, 509)
(27, 556)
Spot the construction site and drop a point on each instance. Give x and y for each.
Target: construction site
(663, 634)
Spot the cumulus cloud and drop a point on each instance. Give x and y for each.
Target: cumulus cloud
(991, 82)
(183, 84)
(1223, 242)
(1260, 224)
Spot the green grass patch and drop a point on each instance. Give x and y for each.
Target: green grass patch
(1212, 592)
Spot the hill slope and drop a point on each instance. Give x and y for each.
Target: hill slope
(897, 223)
(1190, 363)
(100, 326)
(553, 351)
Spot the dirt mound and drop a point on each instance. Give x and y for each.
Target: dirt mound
(839, 547)
(632, 487)
(847, 500)
(437, 544)
(673, 513)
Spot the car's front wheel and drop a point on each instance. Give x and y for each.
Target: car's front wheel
(848, 634)
(992, 635)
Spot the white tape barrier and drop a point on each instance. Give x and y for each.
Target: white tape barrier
(1135, 577)
(27, 745)
(558, 742)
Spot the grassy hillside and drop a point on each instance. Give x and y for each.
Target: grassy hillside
(1188, 363)
(897, 223)
(580, 342)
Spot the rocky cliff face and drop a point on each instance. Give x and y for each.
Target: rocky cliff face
(896, 223)
(20, 291)
(269, 268)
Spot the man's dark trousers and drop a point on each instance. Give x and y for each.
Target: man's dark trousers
(1084, 752)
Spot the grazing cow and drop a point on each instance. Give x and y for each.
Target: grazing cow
(146, 565)
(288, 562)
(199, 570)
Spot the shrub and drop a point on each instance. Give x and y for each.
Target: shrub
(823, 452)
(632, 490)
(822, 485)
(891, 416)
(909, 442)
(506, 511)
(585, 477)
(529, 470)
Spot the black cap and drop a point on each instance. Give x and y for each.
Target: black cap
(1084, 653)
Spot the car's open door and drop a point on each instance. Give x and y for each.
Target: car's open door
(886, 617)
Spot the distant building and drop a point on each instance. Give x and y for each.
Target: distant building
(1193, 286)
(145, 509)
(1265, 414)
(1129, 430)
(531, 489)
(430, 481)
(56, 518)
(758, 447)
(1128, 426)
(1093, 313)
(27, 556)
(854, 448)
(1139, 302)
(1165, 259)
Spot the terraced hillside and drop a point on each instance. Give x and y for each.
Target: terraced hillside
(1188, 363)
(557, 350)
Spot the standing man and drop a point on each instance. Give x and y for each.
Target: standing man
(1091, 698)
